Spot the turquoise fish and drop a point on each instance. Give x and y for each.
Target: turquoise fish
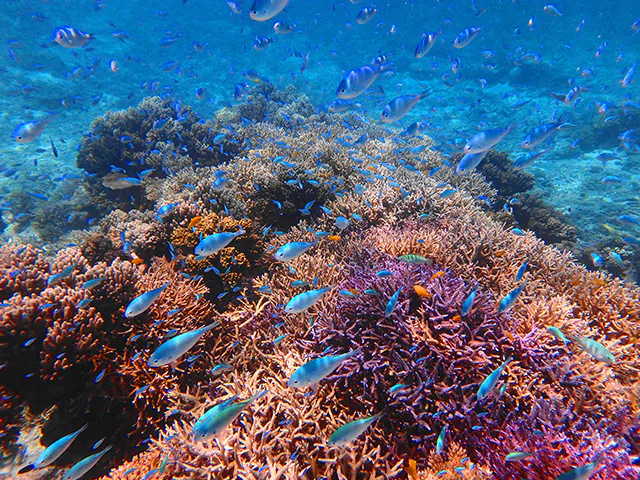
(557, 333)
(215, 420)
(141, 303)
(489, 383)
(57, 448)
(468, 303)
(214, 243)
(305, 300)
(352, 430)
(312, 372)
(174, 348)
(508, 301)
(518, 456)
(595, 349)
(83, 466)
(440, 441)
(292, 250)
(582, 473)
(391, 304)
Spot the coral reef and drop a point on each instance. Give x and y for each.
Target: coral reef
(549, 224)
(287, 175)
(145, 144)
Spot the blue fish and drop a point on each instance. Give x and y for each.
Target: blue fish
(303, 301)
(83, 466)
(171, 350)
(141, 303)
(383, 273)
(508, 301)
(58, 277)
(214, 243)
(57, 448)
(215, 420)
(391, 305)
(489, 383)
(89, 284)
(468, 303)
(312, 372)
(342, 222)
(522, 270)
(220, 369)
(292, 250)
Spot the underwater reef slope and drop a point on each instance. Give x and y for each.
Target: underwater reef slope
(471, 340)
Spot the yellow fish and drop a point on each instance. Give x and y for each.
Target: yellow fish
(412, 469)
(437, 275)
(610, 229)
(194, 221)
(421, 291)
(334, 238)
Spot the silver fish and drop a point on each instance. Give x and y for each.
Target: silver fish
(426, 43)
(262, 10)
(175, 347)
(486, 140)
(312, 372)
(400, 106)
(470, 161)
(357, 81)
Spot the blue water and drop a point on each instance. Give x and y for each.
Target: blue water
(532, 54)
(516, 71)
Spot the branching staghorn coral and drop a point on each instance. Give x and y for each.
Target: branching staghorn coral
(296, 176)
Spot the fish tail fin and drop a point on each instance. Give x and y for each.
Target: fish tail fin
(106, 449)
(256, 396)
(378, 416)
(26, 468)
(352, 353)
(425, 93)
(210, 327)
